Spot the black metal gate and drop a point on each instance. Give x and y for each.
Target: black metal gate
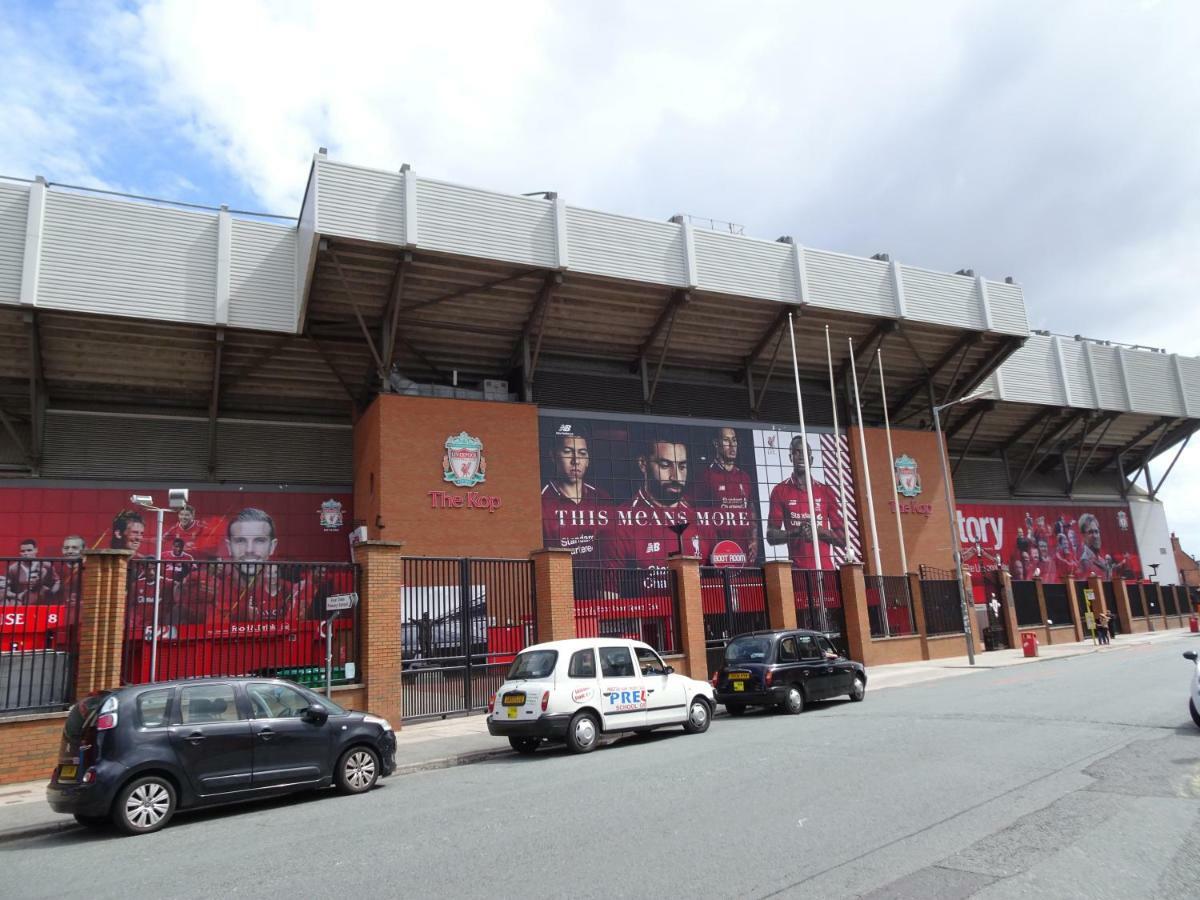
(463, 622)
(734, 602)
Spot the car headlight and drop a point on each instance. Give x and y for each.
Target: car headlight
(381, 722)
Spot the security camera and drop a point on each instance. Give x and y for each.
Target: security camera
(142, 500)
(178, 497)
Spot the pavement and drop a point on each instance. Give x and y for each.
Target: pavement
(463, 740)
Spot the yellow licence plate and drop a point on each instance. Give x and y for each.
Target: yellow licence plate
(67, 773)
(512, 712)
(739, 676)
(513, 700)
(739, 685)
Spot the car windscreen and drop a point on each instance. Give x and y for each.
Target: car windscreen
(533, 664)
(748, 650)
(78, 717)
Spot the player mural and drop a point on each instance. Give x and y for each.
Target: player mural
(1054, 542)
(628, 493)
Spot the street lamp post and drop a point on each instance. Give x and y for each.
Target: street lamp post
(958, 566)
(178, 499)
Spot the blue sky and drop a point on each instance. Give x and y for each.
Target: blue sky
(1058, 143)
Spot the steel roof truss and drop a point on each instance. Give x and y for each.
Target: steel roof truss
(1046, 418)
(926, 382)
(1187, 439)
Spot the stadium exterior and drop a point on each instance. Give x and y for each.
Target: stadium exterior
(416, 357)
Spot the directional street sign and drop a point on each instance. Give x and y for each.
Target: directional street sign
(338, 602)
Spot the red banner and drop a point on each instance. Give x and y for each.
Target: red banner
(32, 628)
(1057, 542)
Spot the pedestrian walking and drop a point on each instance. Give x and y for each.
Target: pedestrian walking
(1113, 622)
(1102, 628)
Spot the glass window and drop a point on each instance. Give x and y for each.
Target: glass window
(808, 647)
(787, 650)
(616, 662)
(276, 701)
(825, 646)
(152, 707)
(203, 703)
(747, 650)
(583, 664)
(649, 661)
(533, 664)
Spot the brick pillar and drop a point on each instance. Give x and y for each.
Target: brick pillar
(918, 608)
(854, 604)
(1073, 601)
(101, 620)
(686, 577)
(1162, 606)
(1124, 613)
(781, 595)
(1009, 610)
(1037, 583)
(554, 583)
(379, 616)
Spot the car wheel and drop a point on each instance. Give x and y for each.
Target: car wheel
(1194, 712)
(858, 690)
(793, 703)
(526, 746)
(735, 709)
(92, 821)
(699, 716)
(357, 770)
(144, 805)
(583, 733)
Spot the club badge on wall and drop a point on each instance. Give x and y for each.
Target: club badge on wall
(1122, 520)
(463, 464)
(908, 479)
(331, 515)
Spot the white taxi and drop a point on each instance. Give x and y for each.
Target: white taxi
(576, 690)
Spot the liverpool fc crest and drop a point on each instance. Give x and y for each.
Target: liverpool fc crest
(463, 464)
(331, 515)
(908, 480)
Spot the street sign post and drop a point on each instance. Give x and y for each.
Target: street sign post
(334, 604)
(1088, 596)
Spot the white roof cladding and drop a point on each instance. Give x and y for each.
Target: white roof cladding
(1051, 370)
(401, 209)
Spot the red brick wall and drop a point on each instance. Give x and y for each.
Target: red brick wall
(29, 747)
(398, 448)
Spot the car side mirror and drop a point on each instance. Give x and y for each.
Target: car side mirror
(1189, 654)
(318, 715)
(670, 670)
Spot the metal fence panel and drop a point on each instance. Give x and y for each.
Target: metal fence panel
(188, 619)
(818, 594)
(1137, 603)
(734, 602)
(889, 606)
(1025, 603)
(1058, 604)
(39, 632)
(640, 604)
(943, 606)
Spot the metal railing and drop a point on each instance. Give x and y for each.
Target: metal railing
(1025, 604)
(734, 601)
(1137, 602)
(464, 621)
(236, 618)
(818, 594)
(943, 606)
(640, 604)
(889, 606)
(1058, 604)
(39, 632)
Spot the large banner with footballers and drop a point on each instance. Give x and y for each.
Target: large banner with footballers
(628, 492)
(1055, 542)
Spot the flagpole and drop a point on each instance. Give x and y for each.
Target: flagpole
(812, 506)
(862, 446)
(837, 438)
(891, 456)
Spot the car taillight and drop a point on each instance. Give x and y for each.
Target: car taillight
(89, 776)
(545, 700)
(491, 704)
(106, 722)
(768, 678)
(714, 679)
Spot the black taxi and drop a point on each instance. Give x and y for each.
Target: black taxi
(786, 668)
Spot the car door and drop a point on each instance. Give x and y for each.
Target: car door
(843, 669)
(622, 696)
(288, 748)
(787, 661)
(815, 672)
(212, 739)
(666, 695)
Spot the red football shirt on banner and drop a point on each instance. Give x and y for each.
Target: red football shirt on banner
(641, 537)
(789, 509)
(728, 497)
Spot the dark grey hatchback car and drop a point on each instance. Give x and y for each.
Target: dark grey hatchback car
(788, 669)
(135, 755)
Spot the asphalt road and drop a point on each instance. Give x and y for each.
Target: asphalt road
(1068, 778)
